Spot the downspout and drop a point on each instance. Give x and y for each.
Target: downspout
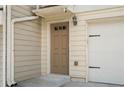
(12, 41)
(8, 66)
(4, 46)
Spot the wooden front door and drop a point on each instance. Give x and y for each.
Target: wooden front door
(60, 48)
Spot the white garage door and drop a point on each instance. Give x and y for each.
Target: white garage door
(106, 52)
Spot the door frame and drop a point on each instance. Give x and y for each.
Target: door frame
(49, 43)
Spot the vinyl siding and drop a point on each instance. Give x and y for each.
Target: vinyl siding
(27, 45)
(1, 55)
(21, 11)
(77, 49)
(44, 48)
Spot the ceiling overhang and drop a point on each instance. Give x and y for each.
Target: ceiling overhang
(53, 12)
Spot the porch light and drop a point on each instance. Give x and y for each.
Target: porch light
(74, 18)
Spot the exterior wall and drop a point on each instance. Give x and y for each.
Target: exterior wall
(32, 48)
(1, 55)
(44, 53)
(27, 45)
(78, 49)
(78, 40)
(19, 11)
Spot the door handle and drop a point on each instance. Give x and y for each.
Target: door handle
(94, 67)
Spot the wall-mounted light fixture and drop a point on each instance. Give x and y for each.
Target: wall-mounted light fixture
(74, 18)
(65, 10)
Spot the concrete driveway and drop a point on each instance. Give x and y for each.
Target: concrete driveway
(53, 80)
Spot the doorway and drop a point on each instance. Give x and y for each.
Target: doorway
(60, 48)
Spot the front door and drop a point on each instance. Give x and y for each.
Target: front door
(60, 48)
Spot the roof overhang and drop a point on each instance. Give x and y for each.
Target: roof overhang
(53, 12)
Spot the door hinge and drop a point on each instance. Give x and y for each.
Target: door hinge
(94, 35)
(94, 67)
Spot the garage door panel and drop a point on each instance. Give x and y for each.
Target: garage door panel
(106, 52)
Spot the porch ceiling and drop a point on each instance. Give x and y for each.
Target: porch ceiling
(52, 12)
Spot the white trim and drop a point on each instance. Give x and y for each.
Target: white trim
(4, 46)
(87, 47)
(49, 43)
(12, 52)
(9, 45)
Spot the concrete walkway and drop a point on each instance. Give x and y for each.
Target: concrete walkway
(89, 84)
(53, 80)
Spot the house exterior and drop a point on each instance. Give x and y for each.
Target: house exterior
(84, 42)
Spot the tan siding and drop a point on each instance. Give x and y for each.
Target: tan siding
(1, 55)
(44, 48)
(77, 49)
(21, 11)
(27, 45)
(27, 74)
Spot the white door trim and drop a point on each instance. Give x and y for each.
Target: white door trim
(49, 43)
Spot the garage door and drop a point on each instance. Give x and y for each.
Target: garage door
(106, 51)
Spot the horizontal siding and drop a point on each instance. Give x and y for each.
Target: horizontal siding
(27, 42)
(28, 77)
(27, 74)
(77, 49)
(27, 63)
(29, 67)
(44, 48)
(1, 55)
(27, 45)
(25, 58)
(21, 11)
